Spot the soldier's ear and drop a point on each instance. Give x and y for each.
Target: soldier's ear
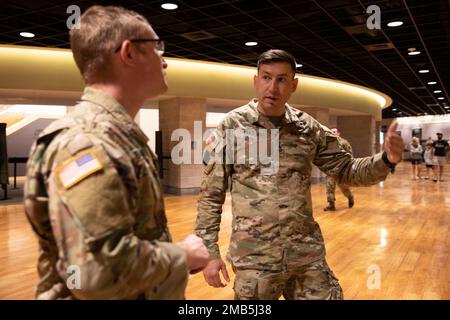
(126, 53)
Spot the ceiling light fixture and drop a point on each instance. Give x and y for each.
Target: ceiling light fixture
(27, 34)
(424, 71)
(441, 98)
(413, 51)
(432, 82)
(251, 43)
(394, 24)
(169, 6)
(298, 65)
(437, 91)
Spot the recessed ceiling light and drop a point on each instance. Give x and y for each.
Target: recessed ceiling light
(169, 6)
(394, 24)
(27, 34)
(437, 91)
(441, 98)
(298, 65)
(414, 53)
(251, 43)
(432, 82)
(447, 107)
(394, 109)
(424, 71)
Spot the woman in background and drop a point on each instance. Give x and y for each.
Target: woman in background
(415, 151)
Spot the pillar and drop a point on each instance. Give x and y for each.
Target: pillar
(360, 132)
(177, 113)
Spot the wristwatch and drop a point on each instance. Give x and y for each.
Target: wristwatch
(387, 162)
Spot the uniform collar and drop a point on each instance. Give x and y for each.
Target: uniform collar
(291, 114)
(107, 102)
(118, 111)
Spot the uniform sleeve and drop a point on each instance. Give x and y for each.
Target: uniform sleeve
(93, 223)
(334, 161)
(349, 148)
(213, 189)
(346, 145)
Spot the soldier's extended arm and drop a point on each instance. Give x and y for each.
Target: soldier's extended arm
(212, 196)
(335, 161)
(92, 220)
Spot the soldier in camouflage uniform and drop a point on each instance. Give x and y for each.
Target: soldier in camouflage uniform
(331, 182)
(276, 245)
(92, 193)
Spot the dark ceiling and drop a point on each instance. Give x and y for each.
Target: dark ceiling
(329, 38)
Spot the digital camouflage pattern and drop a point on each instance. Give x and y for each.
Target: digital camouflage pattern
(314, 281)
(273, 227)
(110, 223)
(331, 182)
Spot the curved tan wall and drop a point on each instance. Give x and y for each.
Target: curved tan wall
(29, 68)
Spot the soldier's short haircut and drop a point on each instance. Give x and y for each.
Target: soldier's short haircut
(102, 29)
(276, 55)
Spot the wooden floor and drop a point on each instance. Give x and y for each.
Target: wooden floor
(399, 227)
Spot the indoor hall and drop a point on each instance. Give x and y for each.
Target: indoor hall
(357, 71)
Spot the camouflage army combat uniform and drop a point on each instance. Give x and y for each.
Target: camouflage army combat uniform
(331, 182)
(93, 199)
(276, 245)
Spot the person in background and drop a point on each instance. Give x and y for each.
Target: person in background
(415, 151)
(440, 151)
(331, 182)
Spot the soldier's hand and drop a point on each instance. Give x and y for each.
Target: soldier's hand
(393, 144)
(197, 255)
(212, 273)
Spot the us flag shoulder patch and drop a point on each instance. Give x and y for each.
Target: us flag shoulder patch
(78, 168)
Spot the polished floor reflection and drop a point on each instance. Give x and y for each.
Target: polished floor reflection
(394, 244)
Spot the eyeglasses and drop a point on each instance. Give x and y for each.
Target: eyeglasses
(159, 44)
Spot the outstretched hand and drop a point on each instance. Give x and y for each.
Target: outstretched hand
(393, 144)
